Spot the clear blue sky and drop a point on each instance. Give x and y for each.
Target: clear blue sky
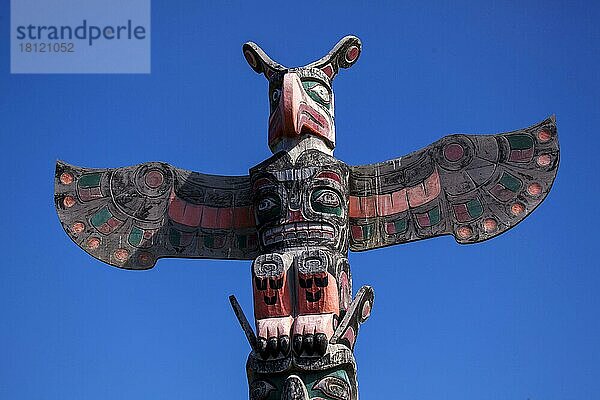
(513, 318)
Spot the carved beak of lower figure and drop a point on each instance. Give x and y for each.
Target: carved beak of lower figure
(297, 114)
(294, 389)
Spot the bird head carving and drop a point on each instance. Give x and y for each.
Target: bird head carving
(301, 99)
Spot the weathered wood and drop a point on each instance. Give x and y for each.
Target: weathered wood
(298, 213)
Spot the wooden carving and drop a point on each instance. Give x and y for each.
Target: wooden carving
(298, 213)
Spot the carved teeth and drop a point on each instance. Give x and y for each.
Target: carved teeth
(299, 230)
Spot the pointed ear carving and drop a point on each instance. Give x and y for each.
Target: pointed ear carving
(343, 55)
(260, 61)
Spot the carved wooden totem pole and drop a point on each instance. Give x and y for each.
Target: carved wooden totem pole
(297, 214)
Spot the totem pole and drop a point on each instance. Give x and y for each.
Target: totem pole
(297, 214)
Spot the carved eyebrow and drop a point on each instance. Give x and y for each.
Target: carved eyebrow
(330, 175)
(262, 182)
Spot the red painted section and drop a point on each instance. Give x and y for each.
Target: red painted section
(297, 114)
(362, 207)
(176, 208)
(295, 216)
(282, 306)
(390, 228)
(354, 207)
(154, 179)
(192, 214)
(329, 297)
(250, 58)
(88, 194)
(522, 156)
(352, 53)
(393, 203)
(330, 175)
(345, 295)
(502, 193)
(224, 218)
(357, 233)
(423, 220)
(198, 215)
(425, 192)
(461, 213)
(210, 218)
(350, 336)
(328, 70)
(453, 152)
(243, 217)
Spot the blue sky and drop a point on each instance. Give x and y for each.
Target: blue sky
(512, 318)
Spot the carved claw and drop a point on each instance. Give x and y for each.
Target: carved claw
(312, 334)
(297, 344)
(308, 344)
(273, 336)
(320, 344)
(261, 344)
(284, 344)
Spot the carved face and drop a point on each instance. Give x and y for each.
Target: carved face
(302, 205)
(319, 385)
(301, 99)
(301, 102)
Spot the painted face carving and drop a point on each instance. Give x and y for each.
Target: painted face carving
(319, 385)
(302, 205)
(301, 99)
(301, 102)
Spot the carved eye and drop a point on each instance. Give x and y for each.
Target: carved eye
(326, 201)
(333, 387)
(322, 92)
(318, 92)
(268, 208)
(328, 198)
(266, 204)
(260, 390)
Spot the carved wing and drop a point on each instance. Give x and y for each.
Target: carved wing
(473, 187)
(130, 217)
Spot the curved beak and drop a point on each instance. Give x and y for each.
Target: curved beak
(297, 114)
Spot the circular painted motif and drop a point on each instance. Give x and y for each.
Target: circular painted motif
(453, 152)
(366, 310)
(93, 243)
(66, 178)
(544, 160)
(490, 225)
(78, 227)
(352, 54)
(121, 255)
(154, 178)
(464, 232)
(145, 258)
(69, 201)
(250, 58)
(534, 189)
(544, 135)
(517, 209)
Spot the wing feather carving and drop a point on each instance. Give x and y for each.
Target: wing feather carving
(473, 187)
(130, 217)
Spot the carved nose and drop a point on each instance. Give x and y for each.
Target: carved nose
(294, 389)
(295, 216)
